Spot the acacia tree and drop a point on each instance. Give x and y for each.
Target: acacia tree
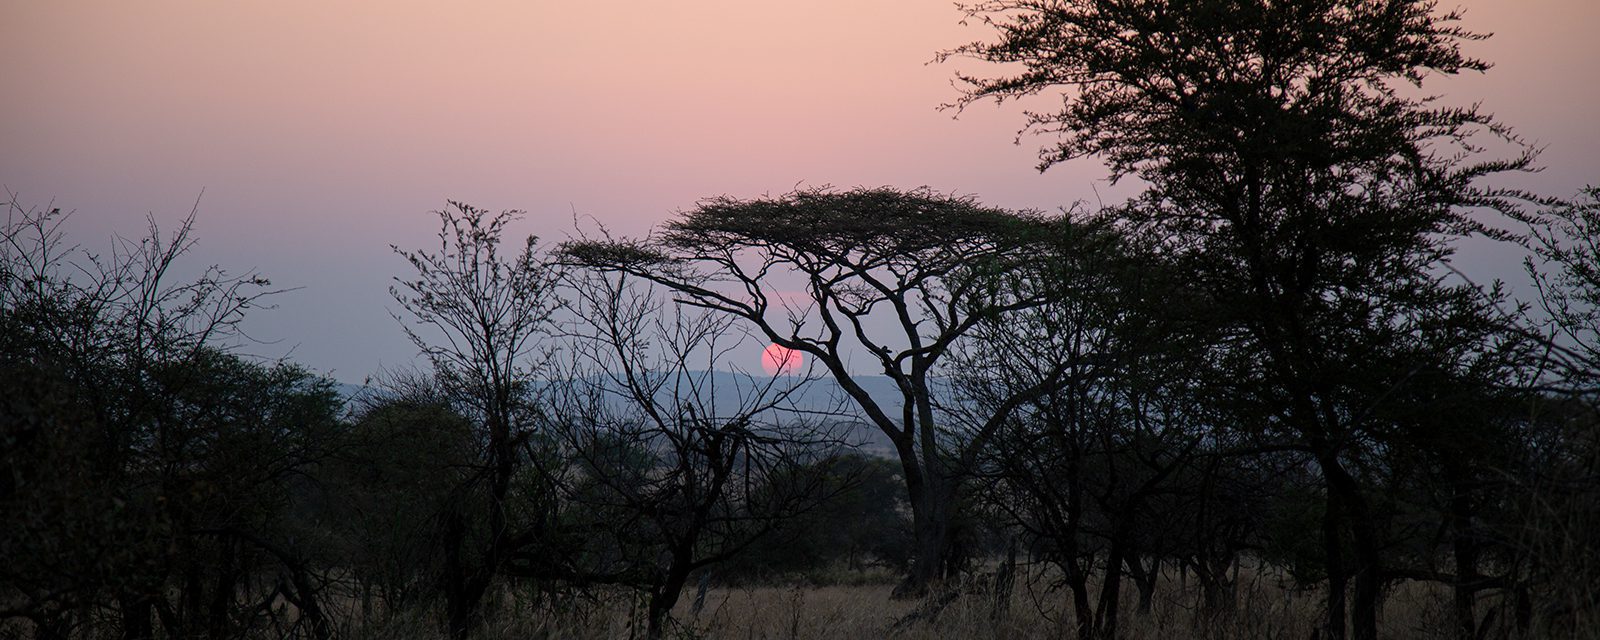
(1312, 195)
(890, 277)
(477, 317)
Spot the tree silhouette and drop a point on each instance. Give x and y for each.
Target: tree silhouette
(669, 465)
(1310, 193)
(146, 465)
(894, 277)
(483, 315)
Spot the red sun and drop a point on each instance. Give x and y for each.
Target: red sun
(778, 359)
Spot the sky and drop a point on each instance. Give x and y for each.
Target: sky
(312, 135)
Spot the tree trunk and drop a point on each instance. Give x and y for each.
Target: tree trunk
(136, 617)
(1144, 578)
(1344, 499)
(1218, 598)
(1466, 561)
(467, 579)
(927, 566)
(463, 585)
(931, 514)
(217, 623)
(1076, 578)
(191, 597)
(1333, 565)
(461, 605)
(1078, 584)
(310, 608)
(665, 596)
(1110, 592)
(1368, 581)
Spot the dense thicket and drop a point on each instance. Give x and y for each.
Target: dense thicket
(146, 467)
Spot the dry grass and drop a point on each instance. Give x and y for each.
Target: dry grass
(1269, 608)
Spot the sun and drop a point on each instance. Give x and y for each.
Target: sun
(780, 360)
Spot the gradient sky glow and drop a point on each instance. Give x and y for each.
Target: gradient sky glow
(322, 132)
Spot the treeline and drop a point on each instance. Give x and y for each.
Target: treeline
(158, 485)
(1266, 357)
(1083, 403)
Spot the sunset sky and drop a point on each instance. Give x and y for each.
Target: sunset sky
(322, 132)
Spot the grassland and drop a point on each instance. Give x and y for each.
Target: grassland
(860, 606)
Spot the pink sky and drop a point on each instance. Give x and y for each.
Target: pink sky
(321, 132)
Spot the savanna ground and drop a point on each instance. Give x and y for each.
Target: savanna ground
(859, 605)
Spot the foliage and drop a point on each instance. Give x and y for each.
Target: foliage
(1566, 244)
(864, 523)
(1313, 199)
(146, 465)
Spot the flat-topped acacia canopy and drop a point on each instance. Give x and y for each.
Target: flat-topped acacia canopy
(878, 221)
(917, 233)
